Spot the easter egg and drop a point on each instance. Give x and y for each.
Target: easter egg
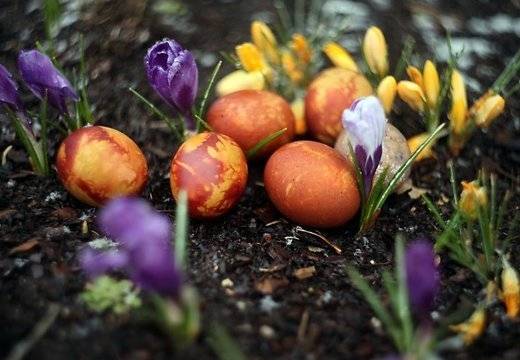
(249, 116)
(328, 95)
(312, 184)
(212, 169)
(395, 153)
(97, 163)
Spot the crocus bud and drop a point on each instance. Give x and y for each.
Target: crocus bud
(422, 276)
(459, 103)
(240, 80)
(473, 197)
(490, 109)
(44, 80)
(416, 141)
(291, 67)
(432, 85)
(412, 94)
(386, 92)
(510, 290)
(173, 74)
(252, 59)
(365, 122)
(298, 109)
(415, 75)
(301, 48)
(472, 328)
(339, 56)
(264, 40)
(375, 51)
(9, 90)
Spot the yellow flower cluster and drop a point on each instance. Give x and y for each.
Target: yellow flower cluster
(375, 51)
(472, 198)
(421, 93)
(261, 57)
(463, 120)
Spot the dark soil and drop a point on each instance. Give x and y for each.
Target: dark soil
(243, 246)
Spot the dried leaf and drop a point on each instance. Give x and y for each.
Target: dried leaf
(268, 285)
(417, 192)
(24, 247)
(304, 273)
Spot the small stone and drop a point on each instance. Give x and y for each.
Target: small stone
(227, 283)
(267, 332)
(267, 304)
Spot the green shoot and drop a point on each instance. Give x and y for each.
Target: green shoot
(223, 345)
(251, 153)
(181, 229)
(202, 107)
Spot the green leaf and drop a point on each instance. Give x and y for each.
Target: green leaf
(404, 59)
(402, 293)
(109, 294)
(223, 345)
(402, 170)
(434, 210)
(202, 107)
(173, 128)
(264, 142)
(181, 229)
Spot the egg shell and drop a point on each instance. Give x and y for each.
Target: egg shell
(212, 169)
(312, 184)
(395, 153)
(97, 163)
(328, 95)
(248, 116)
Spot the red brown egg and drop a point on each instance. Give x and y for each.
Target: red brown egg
(212, 169)
(97, 163)
(249, 116)
(312, 184)
(328, 95)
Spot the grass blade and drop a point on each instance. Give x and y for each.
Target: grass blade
(181, 229)
(223, 344)
(264, 142)
(211, 82)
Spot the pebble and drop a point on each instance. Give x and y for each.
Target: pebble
(267, 332)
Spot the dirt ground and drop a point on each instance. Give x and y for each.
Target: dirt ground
(264, 308)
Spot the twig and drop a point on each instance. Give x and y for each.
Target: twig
(40, 329)
(319, 236)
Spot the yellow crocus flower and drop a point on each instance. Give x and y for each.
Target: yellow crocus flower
(459, 103)
(301, 48)
(415, 75)
(415, 141)
(339, 56)
(510, 290)
(472, 328)
(265, 41)
(490, 109)
(386, 92)
(472, 198)
(376, 51)
(252, 59)
(240, 80)
(431, 84)
(412, 94)
(298, 109)
(291, 67)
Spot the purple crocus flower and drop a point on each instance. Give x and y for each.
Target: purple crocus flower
(365, 123)
(44, 80)
(422, 276)
(9, 91)
(144, 251)
(173, 74)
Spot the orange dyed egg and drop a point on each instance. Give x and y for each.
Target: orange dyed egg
(328, 95)
(249, 116)
(97, 163)
(312, 184)
(212, 169)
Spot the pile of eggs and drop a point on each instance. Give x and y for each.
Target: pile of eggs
(309, 182)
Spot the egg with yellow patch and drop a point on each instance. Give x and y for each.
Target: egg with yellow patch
(249, 116)
(212, 169)
(328, 95)
(97, 163)
(312, 184)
